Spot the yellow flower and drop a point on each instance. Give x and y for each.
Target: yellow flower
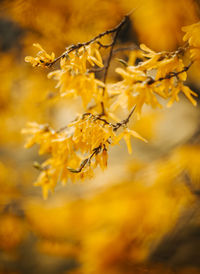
(42, 59)
(192, 36)
(74, 77)
(162, 75)
(90, 132)
(40, 134)
(93, 55)
(186, 90)
(135, 90)
(126, 135)
(59, 146)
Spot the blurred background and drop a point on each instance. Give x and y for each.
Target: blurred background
(141, 215)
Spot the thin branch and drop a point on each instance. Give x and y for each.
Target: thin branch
(124, 122)
(61, 129)
(95, 69)
(117, 30)
(86, 161)
(79, 45)
(191, 187)
(38, 166)
(96, 117)
(169, 75)
(104, 46)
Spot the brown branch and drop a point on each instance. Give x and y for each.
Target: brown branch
(117, 30)
(96, 117)
(99, 36)
(124, 122)
(104, 46)
(195, 191)
(95, 69)
(169, 75)
(86, 161)
(181, 50)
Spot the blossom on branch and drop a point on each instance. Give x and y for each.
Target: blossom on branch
(42, 59)
(74, 76)
(81, 146)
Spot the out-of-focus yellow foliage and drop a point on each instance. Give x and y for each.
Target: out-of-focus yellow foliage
(118, 227)
(188, 160)
(58, 248)
(158, 23)
(7, 184)
(22, 94)
(69, 22)
(12, 232)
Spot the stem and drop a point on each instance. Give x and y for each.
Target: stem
(86, 161)
(117, 30)
(169, 75)
(100, 35)
(124, 122)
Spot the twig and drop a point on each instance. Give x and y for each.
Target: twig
(104, 46)
(117, 30)
(95, 70)
(99, 36)
(169, 75)
(124, 122)
(86, 161)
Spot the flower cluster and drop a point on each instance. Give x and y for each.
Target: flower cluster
(76, 149)
(161, 74)
(42, 59)
(74, 76)
(83, 144)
